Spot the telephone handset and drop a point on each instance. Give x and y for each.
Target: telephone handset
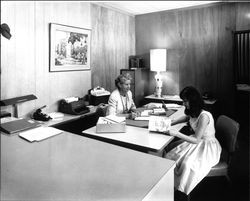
(38, 115)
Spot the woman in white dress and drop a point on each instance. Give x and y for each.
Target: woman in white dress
(197, 153)
(120, 101)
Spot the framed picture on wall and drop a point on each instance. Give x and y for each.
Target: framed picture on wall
(69, 48)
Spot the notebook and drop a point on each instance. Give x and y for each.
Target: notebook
(18, 125)
(40, 133)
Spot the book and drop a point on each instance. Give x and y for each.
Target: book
(159, 123)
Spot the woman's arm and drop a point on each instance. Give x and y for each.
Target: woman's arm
(202, 124)
(182, 119)
(112, 105)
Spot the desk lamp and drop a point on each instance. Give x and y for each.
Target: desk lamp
(158, 61)
(17, 100)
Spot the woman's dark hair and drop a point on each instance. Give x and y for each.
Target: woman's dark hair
(196, 103)
(122, 78)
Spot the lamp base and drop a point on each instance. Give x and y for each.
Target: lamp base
(158, 94)
(158, 85)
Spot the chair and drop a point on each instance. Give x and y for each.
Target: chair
(226, 132)
(101, 110)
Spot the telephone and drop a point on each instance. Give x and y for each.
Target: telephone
(38, 115)
(99, 91)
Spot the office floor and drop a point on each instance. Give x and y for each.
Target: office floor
(218, 189)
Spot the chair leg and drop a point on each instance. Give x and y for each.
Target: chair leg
(229, 180)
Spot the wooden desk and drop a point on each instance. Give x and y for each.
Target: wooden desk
(209, 105)
(173, 99)
(137, 138)
(67, 118)
(165, 98)
(74, 123)
(71, 167)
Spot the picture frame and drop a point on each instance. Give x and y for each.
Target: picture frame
(69, 48)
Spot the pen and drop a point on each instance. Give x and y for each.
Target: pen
(164, 105)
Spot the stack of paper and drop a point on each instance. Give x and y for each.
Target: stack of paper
(40, 133)
(56, 115)
(172, 105)
(159, 111)
(146, 113)
(142, 118)
(159, 105)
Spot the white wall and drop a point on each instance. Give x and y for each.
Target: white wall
(25, 57)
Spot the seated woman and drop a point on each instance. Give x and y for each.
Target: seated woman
(196, 154)
(120, 101)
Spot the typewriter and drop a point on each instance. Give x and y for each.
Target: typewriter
(73, 105)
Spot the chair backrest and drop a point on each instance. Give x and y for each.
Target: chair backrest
(101, 110)
(226, 132)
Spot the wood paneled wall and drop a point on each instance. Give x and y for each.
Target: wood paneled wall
(242, 16)
(25, 57)
(113, 41)
(199, 43)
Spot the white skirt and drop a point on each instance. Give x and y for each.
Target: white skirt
(193, 162)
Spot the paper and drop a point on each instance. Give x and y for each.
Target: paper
(159, 105)
(146, 113)
(142, 118)
(159, 111)
(40, 133)
(172, 105)
(153, 105)
(56, 115)
(71, 99)
(159, 124)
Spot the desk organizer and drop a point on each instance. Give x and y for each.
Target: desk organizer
(105, 127)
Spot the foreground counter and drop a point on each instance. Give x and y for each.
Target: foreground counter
(71, 167)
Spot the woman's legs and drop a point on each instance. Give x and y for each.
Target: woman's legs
(172, 145)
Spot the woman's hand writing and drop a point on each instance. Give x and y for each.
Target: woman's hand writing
(133, 115)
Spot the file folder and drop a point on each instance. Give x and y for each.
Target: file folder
(18, 125)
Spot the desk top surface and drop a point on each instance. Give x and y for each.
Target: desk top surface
(165, 97)
(141, 137)
(177, 99)
(72, 167)
(135, 136)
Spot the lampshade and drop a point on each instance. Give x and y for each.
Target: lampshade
(158, 60)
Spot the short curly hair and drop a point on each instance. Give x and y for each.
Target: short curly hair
(196, 103)
(122, 78)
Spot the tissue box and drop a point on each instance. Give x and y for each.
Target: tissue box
(104, 127)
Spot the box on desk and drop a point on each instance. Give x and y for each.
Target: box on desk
(105, 125)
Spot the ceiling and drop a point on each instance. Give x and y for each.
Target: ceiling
(144, 7)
